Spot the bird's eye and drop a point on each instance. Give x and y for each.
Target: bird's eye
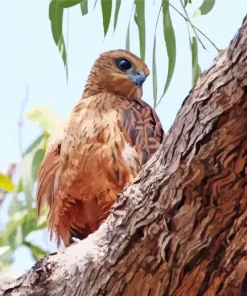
(123, 64)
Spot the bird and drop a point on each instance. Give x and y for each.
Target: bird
(108, 137)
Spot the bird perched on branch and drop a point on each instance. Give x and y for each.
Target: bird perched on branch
(109, 135)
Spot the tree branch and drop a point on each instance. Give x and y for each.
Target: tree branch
(180, 229)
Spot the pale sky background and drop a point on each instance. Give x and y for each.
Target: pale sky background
(29, 56)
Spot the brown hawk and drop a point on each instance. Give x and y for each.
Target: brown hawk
(109, 135)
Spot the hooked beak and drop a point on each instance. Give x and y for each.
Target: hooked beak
(138, 78)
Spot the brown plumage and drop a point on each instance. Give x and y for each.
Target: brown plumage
(110, 134)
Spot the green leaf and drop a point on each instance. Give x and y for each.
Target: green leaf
(27, 176)
(117, 8)
(33, 145)
(170, 41)
(4, 267)
(56, 9)
(42, 220)
(140, 21)
(19, 226)
(19, 187)
(106, 6)
(3, 250)
(37, 159)
(16, 204)
(45, 117)
(6, 183)
(36, 251)
(67, 3)
(127, 42)
(56, 18)
(154, 67)
(205, 8)
(186, 2)
(154, 70)
(84, 7)
(6, 259)
(199, 72)
(196, 70)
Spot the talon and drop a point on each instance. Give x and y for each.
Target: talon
(75, 239)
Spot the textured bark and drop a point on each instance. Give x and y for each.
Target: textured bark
(181, 228)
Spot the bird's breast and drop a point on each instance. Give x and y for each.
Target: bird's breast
(129, 154)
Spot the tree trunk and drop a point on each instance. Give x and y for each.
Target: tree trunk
(181, 228)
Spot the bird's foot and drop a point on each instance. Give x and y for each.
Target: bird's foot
(75, 239)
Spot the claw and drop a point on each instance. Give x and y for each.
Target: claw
(75, 239)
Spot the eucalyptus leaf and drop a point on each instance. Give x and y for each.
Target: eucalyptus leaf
(154, 66)
(20, 224)
(154, 72)
(42, 220)
(84, 7)
(127, 42)
(45, 117)
(37, 159)
(186, 2)
(196, 70)
(6, 259)
(5, 183)
(56, 9)
(117, 8)
(4, 249)
(56, 18)
(140, 21)
(170, 41)
(33, 145)
(67, 3)
(27, 176)
(36, 251)
(106, 7)
(205, 8)
(16, 204)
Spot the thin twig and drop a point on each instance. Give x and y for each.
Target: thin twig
(188, 19)
(193, 26)
(95, 4)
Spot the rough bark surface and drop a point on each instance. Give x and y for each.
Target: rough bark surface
(181, 228)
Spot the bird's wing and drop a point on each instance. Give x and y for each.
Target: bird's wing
(88, 165)
(142, 128)
(88, 169)
(49, 170)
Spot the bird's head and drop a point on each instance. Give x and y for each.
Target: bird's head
(119, 72)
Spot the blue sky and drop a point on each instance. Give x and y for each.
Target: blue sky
(29, 56)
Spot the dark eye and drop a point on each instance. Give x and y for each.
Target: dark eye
(124, 64)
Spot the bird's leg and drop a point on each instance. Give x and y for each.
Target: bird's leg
(78, 235)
